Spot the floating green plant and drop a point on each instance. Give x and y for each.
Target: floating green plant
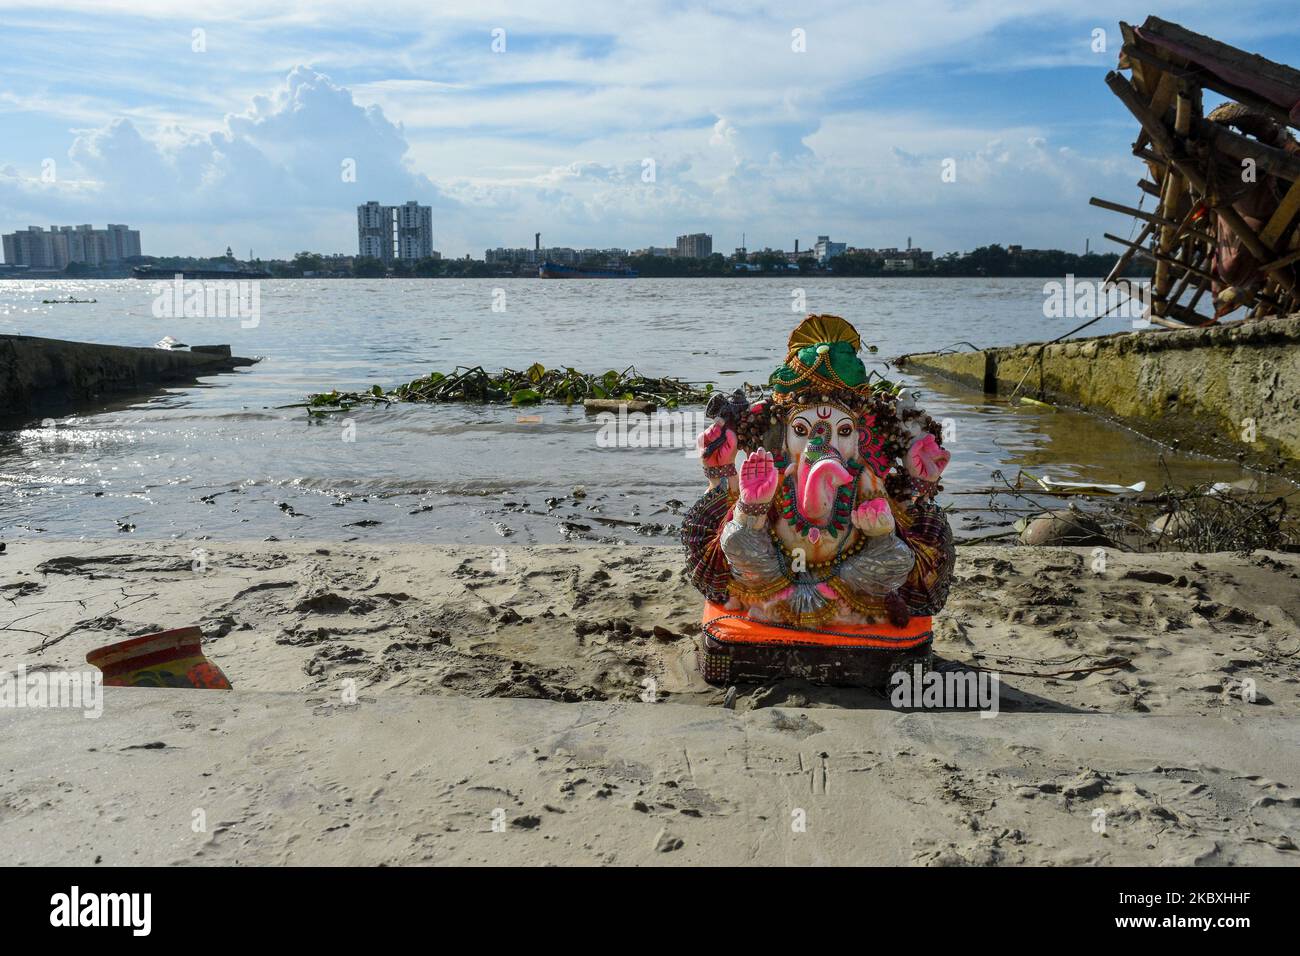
(535, 384)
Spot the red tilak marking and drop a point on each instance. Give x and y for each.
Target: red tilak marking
(827, 415)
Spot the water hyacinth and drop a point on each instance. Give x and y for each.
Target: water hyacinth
(535, 384)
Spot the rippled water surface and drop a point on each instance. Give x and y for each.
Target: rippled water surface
(223, 459)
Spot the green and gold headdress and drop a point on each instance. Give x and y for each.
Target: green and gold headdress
(822, 365)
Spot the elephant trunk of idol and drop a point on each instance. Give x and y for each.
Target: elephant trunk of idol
(818, 477)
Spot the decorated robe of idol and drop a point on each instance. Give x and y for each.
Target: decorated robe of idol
(831, 518)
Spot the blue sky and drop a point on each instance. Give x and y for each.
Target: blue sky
(208, 124)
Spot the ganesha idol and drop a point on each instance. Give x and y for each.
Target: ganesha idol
(824, 555)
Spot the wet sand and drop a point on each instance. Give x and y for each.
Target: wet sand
(511, 679)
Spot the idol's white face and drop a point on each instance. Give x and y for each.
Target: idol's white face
(835, 425)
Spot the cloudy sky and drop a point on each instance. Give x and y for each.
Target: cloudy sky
(208, 124)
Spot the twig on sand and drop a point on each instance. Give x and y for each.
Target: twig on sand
(987, 537)
(1111, 663)
(82, 625)
(25, 631)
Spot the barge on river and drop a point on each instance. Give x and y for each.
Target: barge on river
(552, 270)
(166, 275)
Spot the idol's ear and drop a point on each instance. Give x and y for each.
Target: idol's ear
(776, 431)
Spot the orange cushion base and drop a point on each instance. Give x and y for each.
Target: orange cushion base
(728, 627)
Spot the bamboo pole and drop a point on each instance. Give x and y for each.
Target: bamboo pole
(1288, 259)
(1158, 256)
(1122, 263)
(1157, 164)
(1164, 95)
(1183, 114)
(1194, 253)
(1282, 216)
(1161, 138)
(1270, 159)
(1174, 185)
(1130, 211)
(1171, 75)
(1183, 228)
(1133, 63)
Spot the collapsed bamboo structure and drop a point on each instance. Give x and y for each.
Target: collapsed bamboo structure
(1226, 184)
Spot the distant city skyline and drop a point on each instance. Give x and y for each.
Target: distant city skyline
(264, 125)
(60, 246)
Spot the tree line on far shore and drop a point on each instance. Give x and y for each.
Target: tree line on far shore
(992, 261)
(997, 261)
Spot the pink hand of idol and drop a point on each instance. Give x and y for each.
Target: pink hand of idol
(758, 478)
(726, 452)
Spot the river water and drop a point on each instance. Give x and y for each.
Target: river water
(225, 460)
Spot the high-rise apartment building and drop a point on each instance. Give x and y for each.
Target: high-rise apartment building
(62, 245)
(414, 232)
(697, 245)
(392, 233)
(375, 231)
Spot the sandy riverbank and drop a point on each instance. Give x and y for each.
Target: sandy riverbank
(571, 623)
(288, 778)
(1186, 770)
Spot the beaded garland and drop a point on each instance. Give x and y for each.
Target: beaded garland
(830, 563)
